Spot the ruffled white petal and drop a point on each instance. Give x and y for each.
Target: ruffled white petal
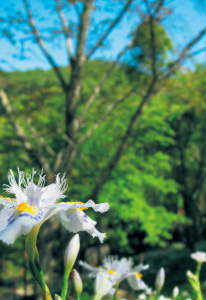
(15, 188)
(6, 214)
(102, 207)
(121, 266)
(54, 191)
(93, 271)
(14, 227)
(75, 220)
(5, 201)
(136, 283)
(140, 268)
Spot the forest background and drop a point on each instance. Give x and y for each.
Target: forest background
(116, 99)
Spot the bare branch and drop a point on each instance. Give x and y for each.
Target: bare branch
(158, 5)
(75, 78)
(98, 88)
(110, 107)
(109, 30)
(194, 53)
(65, 30)
(68, 140)
(42, 47)
(35, 152)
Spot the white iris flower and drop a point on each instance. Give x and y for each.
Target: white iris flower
(118, 270)
(199, 256)
(33, 204)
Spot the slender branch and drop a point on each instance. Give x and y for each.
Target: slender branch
(196, 52)
(42, 47)
(39, 139)
(152, 43)
(65, 31)
(182, 56)
(109, 30)
(58, 160)
(35, 152)
(158, 6)
(69, 141)
(110, 107)
(115, 159)
(98, 87)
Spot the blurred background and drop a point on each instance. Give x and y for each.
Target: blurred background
(112, 92)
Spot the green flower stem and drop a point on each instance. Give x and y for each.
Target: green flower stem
(96, 297)
(115, 294)
(34, 263)
(194, 280)
(157, 295)
(198, 287)
(65, 282)
(199, 265)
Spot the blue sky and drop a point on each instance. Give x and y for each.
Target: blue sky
(186, 20)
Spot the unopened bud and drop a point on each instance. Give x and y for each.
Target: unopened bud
(71, 252)
(160, 279)
(175, 292)
(78, 286)
(192, 276)
(57, 297)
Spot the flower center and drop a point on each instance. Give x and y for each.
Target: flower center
(139, 275)
(7, 199)
(112, 272)
(25, 207)
(80, 203)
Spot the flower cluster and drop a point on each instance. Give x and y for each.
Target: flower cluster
(114, 271)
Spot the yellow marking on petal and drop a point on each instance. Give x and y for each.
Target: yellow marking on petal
(80, 209)
(139, 275)
(112, 272)
(6, 198)
(25, 207)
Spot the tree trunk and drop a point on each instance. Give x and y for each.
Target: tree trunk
(193, 231)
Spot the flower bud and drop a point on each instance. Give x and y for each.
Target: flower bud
(71, 252)
(57, 297)
(77, 282)
(192, 276)
(175, 292)
(160, 279)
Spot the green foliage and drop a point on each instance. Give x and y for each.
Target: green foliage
(145, 189)
(140, 56)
